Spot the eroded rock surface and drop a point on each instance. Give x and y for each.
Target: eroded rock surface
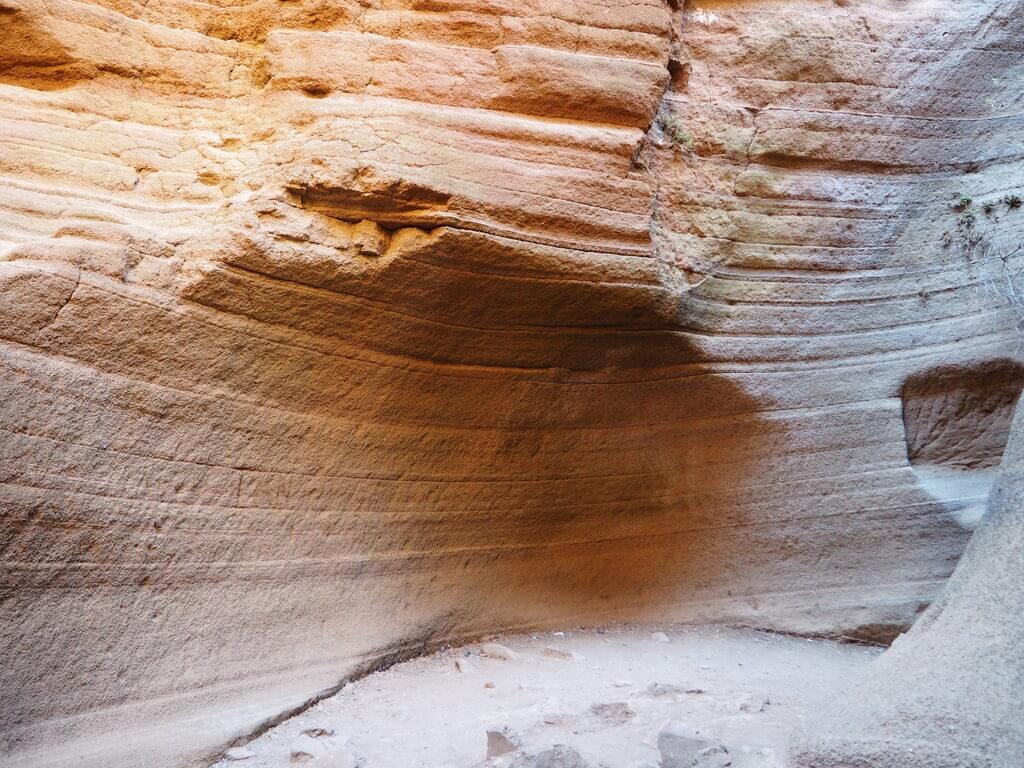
(947, 694)
(332, 330)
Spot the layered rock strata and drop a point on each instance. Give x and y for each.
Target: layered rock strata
(331, 330)
(947, 694)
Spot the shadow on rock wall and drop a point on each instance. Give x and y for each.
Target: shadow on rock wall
(957, 420)
(237, 501)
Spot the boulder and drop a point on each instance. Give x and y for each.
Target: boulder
(683, 746)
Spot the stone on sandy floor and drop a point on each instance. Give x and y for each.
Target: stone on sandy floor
(559, 756)
(318, 733)
(659, 637)
(463, 665)
(500, 741)
(614, 713)
(682, 746)
(498, 651)
(239, 753)
(561, 653)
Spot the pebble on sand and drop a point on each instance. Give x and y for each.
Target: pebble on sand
(500, 741)
(561, 653)
(498, 651)
(682, 746)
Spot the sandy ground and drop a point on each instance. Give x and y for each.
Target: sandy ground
(605, 694)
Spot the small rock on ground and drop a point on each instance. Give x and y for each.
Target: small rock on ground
(682, 746)
(498, 651)
(559, 756)
(615, 713)
(560, 653)
(500, 741)
(317, 733)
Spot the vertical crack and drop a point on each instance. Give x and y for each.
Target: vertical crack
(67, 300)
(746, 153)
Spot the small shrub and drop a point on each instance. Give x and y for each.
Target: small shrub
(1012, 201)
(677, 133)
(988, 207)
(962, 203)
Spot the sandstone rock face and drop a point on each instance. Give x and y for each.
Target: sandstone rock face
(330, 330)
(947, 694)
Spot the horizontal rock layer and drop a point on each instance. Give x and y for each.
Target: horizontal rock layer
(331, 331)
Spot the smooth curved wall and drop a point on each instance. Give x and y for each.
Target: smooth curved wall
(946, 694)
(334, 330)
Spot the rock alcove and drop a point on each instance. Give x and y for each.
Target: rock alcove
(333, 332)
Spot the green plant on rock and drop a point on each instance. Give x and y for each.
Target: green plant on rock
(963, 203)
(677, 133)
(1013, 201)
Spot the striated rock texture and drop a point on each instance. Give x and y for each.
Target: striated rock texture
(947, 694)
(330, 330)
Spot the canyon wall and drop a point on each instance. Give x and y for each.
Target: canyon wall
(331, 330)
(948, 692)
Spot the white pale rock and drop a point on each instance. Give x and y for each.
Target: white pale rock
(498, 651)
(682, 746)
(559, 756)
(318, 732)
(500, 741)
(659, 637)
(239, 753)
(561, 653)
(715, 756)
(613, 713)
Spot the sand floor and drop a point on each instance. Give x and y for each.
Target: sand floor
(606, 694)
